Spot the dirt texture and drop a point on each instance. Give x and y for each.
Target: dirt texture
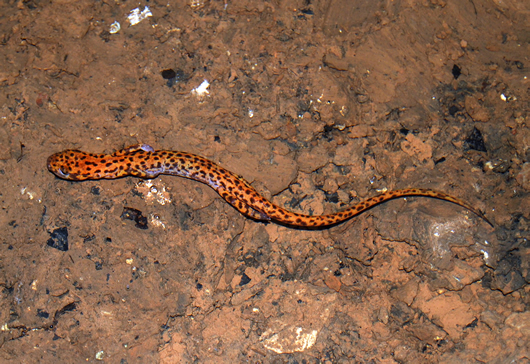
(319, 105)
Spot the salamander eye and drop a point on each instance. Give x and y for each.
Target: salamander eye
(62, 173)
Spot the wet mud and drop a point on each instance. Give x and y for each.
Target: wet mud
(319, 105)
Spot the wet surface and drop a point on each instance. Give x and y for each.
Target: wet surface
(319, 106)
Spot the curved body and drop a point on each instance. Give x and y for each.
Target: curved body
(144, 162)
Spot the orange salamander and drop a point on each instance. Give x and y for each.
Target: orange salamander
(145, 162)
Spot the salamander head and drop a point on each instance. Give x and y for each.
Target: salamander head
(63, 165)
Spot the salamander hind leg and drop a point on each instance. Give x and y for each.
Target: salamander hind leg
(242, 207)
(146, 173)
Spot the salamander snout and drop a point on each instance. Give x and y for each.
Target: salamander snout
(58, 165)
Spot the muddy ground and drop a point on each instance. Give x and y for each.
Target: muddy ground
(319, 105)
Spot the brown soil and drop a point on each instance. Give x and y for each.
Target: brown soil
(319, 105)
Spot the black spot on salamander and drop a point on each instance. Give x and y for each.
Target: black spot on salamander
(109, 164)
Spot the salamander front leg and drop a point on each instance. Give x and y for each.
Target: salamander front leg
(132, 149)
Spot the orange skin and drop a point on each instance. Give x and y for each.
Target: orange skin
(144, 162)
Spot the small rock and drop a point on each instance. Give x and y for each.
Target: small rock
(520, 321)
(408, 291)
(523, 177)
(333, 282)
(507, 283)
(332, 61)
(135, 215)
(477, 111)
(427, 332)
(475, 141)
(491, 319)
(401, 313)
(59, 239)
(459, 275)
